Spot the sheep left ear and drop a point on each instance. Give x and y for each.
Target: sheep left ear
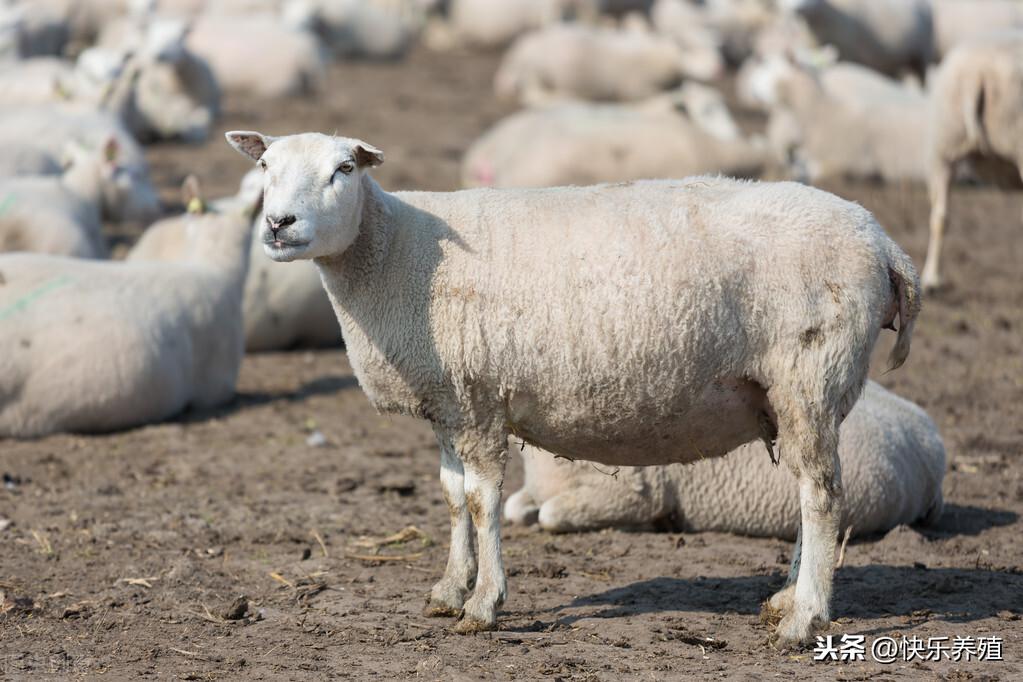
(367, 155)
(249, 142)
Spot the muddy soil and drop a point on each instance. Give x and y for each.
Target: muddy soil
(126, 554)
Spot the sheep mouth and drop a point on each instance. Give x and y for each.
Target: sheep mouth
(284, 244)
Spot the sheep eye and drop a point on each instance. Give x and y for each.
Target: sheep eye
(262, 164)
(346, 167)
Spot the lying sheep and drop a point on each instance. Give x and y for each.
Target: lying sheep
(852, 127)
(27, 159)
(495, 23)
(176, 94)
(690, 27)
(354, 28)
(893, 463)
(128, 193)
(891, 36)
(611, 322)
(976, 102)
(236, 49)
(958, 21)
(61, 214)
(569, 61)
(149, 339)
(284, 305)
(669, 136)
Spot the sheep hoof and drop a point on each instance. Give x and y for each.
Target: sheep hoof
(434, 610)
(795, 631)
(470, 625)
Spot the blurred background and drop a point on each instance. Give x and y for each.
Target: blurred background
(130, 551)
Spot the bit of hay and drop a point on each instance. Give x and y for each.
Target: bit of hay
(385, 557)
(406, 534)
(319, 539)
(281, 579)
(841, 551)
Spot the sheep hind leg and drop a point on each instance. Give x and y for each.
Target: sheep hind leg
(811, 437)
(448, 595)
(938, 187)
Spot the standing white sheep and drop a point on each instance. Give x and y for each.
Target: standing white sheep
(612, 322)
(892, 457)
(149, 339)
(977, 114)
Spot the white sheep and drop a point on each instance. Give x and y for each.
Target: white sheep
(612, 322)
(128, 193)
(494, 23)
(284, 305)
(957, 21)
(149, 339)
(976, 107)
(674, 135)
(354, 28)
(27, 159)
(258, 54)
(891, 36)
(566, 61)
(61, 214)
(691, 28)
(892, 457)
(842, 122)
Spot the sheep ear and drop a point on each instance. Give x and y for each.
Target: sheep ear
(367, 155)
(249, 142)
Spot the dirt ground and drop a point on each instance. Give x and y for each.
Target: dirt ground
(125, 553)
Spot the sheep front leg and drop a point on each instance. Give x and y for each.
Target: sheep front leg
(815, 446)
(938, 186)
(448, 595)
(484, 476)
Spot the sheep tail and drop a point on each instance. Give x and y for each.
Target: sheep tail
(975, 103)
(906, 287)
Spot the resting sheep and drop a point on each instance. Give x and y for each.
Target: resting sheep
(572, 61)
(840, 122)
(284, 305)
(976, 107)
(236, 49)
(610, 322)
(893, 463)
(128, 194)
(61, 214)
(669, 136)
(98, 345)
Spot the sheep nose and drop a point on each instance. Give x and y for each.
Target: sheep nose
(277, 222)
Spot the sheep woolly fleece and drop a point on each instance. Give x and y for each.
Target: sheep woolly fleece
(149, 338)
(642, 323)
(893, 463)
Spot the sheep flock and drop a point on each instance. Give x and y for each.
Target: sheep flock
(661, 287)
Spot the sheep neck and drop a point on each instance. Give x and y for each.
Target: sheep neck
(381, 300)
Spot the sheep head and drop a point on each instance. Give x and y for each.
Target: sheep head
(312, 190)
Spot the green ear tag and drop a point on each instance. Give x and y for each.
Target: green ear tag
(195, 205)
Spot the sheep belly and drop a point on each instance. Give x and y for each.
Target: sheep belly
(725, 415)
